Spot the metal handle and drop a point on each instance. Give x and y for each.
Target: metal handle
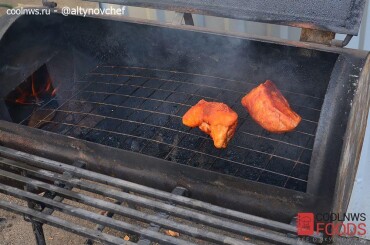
(188, 18)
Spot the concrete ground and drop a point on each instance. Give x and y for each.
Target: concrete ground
(15, 231)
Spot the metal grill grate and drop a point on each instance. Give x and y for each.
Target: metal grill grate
(140, 110)
(140, 212)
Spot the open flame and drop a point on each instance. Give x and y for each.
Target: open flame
(34, 91)
(36, 94)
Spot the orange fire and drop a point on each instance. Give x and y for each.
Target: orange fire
(36, 94)
(54, 92)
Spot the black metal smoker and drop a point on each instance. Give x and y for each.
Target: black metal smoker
(121, 85)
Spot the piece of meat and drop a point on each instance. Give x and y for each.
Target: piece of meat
(214, 118)
(270, 109)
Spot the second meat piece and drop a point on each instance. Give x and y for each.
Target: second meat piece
(268, 107)
(216, 119)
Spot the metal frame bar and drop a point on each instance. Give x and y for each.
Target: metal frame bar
(100, 178)
(83, 214)
(129, 198)
(187, 17)
(102, 227)
(37, 162)
(155, 227)
(59, 223)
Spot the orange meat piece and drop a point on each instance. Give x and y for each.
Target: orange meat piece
(216, 119)
(270, 109)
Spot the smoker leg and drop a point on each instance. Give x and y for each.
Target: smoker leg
(37, 227)
(38, 230)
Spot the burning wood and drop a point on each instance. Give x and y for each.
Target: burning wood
(25, 100)
(33, 92)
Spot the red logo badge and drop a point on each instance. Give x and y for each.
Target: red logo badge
(305, 224)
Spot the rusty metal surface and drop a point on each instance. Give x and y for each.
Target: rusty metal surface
(337, 16)
(353, 141)
(337, 108)
(317, 36)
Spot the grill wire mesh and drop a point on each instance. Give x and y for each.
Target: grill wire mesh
(140, 110)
